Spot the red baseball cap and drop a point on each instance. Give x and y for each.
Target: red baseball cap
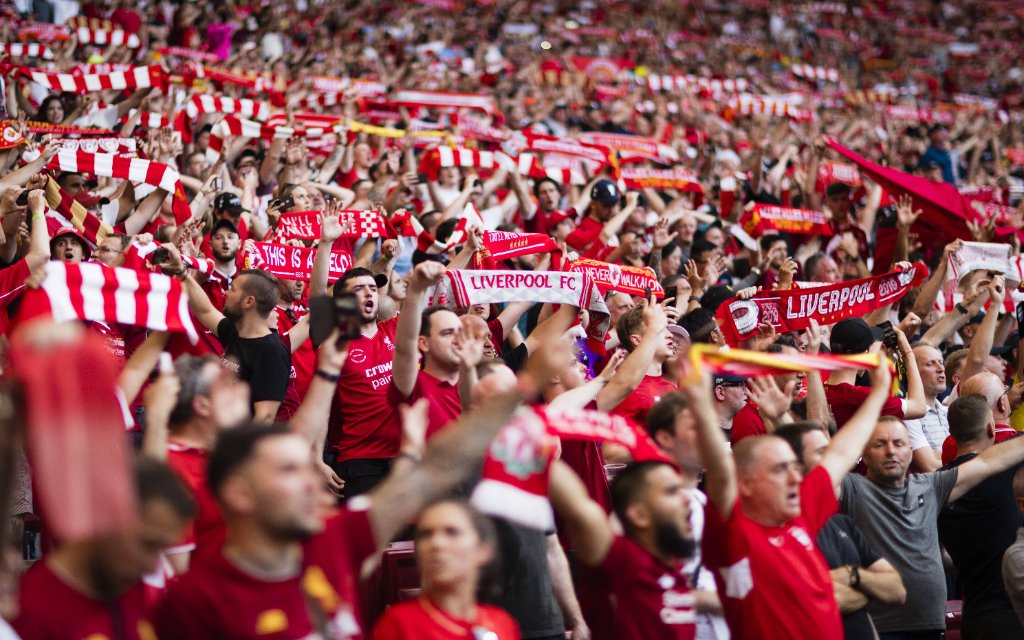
(56, 231)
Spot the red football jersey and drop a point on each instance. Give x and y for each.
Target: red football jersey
(369, 422)
(747, 422)
(206, 532)
(638, 403)
(216, 599)
(50, 608)
(773, 581)
(845, 399)
(420, 619)
(652, 600)
(445, 406)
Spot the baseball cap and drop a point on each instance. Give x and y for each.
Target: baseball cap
(223, 223)
(227, 201)
(728, 380)
(852, 335)
(379, 279)
(68, 230)
(678, 331)
(605, 192)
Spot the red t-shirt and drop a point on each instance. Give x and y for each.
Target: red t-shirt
(636, 405)
(216, 288)
(369, 426)
(445, 406)
(1003, 433)
(206, 532)
(845, 398)
(215, 599)
(747, 422)
(652, 600)
(585, 234)
(50, 608)
(773, 581)
(420, 619)
(303, 364)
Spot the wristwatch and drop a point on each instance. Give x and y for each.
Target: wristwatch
(961, 308)
(854, 576)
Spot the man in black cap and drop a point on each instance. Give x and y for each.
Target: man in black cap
(228, 206)
(224, 245)
(852, 336)
(730, 395)
(604, 201)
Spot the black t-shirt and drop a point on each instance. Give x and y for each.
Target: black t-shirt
(516, 358)
(976, 531)
(264, 363)
(527, 593)
(842, 543)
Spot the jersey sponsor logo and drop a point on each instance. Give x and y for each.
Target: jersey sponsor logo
(677, 608)
(357, 356)
(739, 581)
(271, 621)
(801, 536)
(387, 343)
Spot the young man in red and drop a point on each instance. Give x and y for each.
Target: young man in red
(642, 570)
(93, 588)
(763, 518)
(645, 326)
(363, 428)
(434, 333)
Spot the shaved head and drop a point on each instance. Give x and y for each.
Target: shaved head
(747, 452)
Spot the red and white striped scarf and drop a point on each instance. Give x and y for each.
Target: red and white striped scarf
(658, 82)
(74, 212)
(151, 172)
(146, 251)
(204, 103)
(27, 50)
(191, 54)
(453, 101)
(633, 147)
(149, 119)
(96, 292)
(810, 72)
(33, 126)
(747, 104)
(102, 37)
(117, 146)
(137, 78)
(526, 164)
(236, 127)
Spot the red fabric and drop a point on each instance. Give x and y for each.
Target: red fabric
(217, 600)
(216, 288)
(585, 234)
(420, 619)
(207, 531)
(445, 406)
(844, 399)
(303, 366)
(651, 600)
(773, 581)
(368, 420)
(50, 608)
(1003, 433)
(636, 405)
(747, 423)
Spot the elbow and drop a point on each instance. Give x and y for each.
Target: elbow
(897, 595)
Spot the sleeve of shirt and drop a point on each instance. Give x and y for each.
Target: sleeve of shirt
(894, 407)
(226, 332)
(579, 239)
(917, 439)
(716, 542)
(943, 483)
(272, 373)
(817, 499)
(617, 562)
(849, 489)
(12, 281)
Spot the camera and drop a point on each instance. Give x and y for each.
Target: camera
(283, 204)
(889, 338)
(329, 312)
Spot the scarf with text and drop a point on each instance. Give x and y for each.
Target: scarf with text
(792, 310)
(96, 292)
(504, 245)
(635, 281)
(759, 218)
(634, 178)
(33, 126)
(355, 223)
(107, 165)
(293, 263)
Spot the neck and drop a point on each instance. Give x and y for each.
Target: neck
(646, 540)
(929, 399)
(251, 325)
(764, 519)
(458, 601)
(196, 433)
(654, 369)
(253, 551)
(973, 446)
(449, 375)
(691, 477)
(72, 562)
(892, 483)
(837, 377)
(368, 329)
(227, 268)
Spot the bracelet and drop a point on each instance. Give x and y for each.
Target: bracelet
(38, 216)
(329, 377)
(854, 576)
(694, 298)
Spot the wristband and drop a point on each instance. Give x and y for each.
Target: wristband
(38, 216)
(694, 298)
(329, 377)
(961, 308)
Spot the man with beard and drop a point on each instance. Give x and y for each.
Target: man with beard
(251, 349)
(643, 571)
(763, 516)
(224, 245)
(96, 584)
(363, 429)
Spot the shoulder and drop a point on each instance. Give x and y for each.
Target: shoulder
(498, 617)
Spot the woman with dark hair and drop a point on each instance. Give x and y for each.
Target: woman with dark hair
(51, 110)
(454, 546)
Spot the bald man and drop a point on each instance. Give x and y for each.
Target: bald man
(990, 386)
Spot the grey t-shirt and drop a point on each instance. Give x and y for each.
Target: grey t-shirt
(902, 525)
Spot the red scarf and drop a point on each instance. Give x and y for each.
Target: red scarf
(503, 245)
(294, 263)
(765, 217)
(614, 277)
(635, 178)
(792, 310)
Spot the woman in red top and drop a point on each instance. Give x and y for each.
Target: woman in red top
(453, 544)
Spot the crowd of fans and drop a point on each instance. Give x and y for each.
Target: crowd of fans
(624, 320)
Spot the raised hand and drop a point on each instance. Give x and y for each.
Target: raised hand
(906, 215)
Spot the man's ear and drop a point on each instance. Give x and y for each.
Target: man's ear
(663, 439)
(720, 394)
(634, 339)
(422, 344)
(638, 515)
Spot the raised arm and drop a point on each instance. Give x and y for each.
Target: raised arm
(634, 368)
(584, 519)
(849, 442)
(916, 403)
(995, 459)
(981, 344)
(407, 333)
(198, 301)
(142, 362)
(719, 467)
(330, 230)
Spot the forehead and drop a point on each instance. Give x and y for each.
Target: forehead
(444, 514)
(284, 449)
(815, 439)
(890, 430)
(360, 281)
(928, 354)
(444, 320)
(773, 452)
